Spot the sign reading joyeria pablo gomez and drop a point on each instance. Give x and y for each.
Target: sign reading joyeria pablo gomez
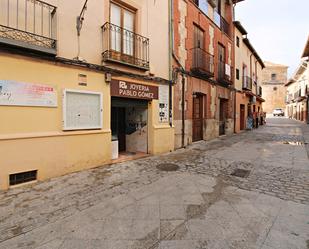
(122, 88)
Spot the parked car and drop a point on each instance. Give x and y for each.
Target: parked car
(278, 112)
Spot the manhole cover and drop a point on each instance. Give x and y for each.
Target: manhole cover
(167, 167)
(243, 173)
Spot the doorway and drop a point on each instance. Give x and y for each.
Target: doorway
(197, 122)
(129, 125)
(307, 110)
(222, 116)
(221, 57)
(242, 117)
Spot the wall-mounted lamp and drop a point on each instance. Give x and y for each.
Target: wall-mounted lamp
(108, 77)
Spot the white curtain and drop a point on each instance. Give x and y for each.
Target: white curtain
(115, 33)
(128, 36)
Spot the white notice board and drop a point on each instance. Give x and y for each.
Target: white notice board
(163, 103)
(82, 110)
(13, 93)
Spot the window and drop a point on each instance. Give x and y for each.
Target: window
(237, 74)
(198, 37)
(273, 76)
(203, 5)
(122, 41)
(82, 110)
(218, 6)
(275, 88)
(245, 70)
(237, 41)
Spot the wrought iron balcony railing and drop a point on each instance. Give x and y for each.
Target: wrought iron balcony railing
(124, 46)
(225, 73)
(202, 63)
(247, 83)
(28, 24)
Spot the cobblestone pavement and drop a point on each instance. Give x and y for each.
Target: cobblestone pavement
(201, 205)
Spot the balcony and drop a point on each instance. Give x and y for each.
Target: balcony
(246, 83)
(202, 63)
(125, 47)
(225, 73)
(259, 91)
(297, 94)
(28, 24)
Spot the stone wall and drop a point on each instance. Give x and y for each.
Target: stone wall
(274, 91)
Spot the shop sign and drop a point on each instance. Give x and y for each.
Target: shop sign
(27, 94)
(121, 88)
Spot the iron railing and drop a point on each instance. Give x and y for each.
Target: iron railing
(202, 62)
(225, 73)
(28, 23)
(247, 83)
(124, 46)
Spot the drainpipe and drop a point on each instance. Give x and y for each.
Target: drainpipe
(251, 66)
(170, 34)
(183, 112)
(235, 106)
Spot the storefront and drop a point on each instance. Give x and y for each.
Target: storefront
(63, 118)
(130, 116)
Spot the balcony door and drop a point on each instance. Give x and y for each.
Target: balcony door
(245, 78)
(122, 37)
(221, 58)
(199, 38)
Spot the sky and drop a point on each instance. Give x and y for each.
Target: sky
(278, 29)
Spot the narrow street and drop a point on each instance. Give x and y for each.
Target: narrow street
(242, 191)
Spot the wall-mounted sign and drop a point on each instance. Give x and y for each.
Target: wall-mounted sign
(163, 103)
(121, 88)
(27, 94)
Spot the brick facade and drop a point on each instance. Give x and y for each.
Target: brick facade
(188, 15)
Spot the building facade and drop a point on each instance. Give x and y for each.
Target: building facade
(273, 81)
(203, 66)
(248, 74)
(77, 93)
(297, 90)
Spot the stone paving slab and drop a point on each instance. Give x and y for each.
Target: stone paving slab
(227, 217)
(201, 205)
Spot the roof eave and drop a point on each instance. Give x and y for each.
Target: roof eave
(241, 28)
(306, 50)
(251, 48)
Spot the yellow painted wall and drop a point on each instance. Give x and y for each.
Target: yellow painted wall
(32, 137)
(243, 56)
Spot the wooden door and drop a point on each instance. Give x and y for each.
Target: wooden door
(307, 110)
(242, 117)
(197, 118)
(222, 118)
(221, 58)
